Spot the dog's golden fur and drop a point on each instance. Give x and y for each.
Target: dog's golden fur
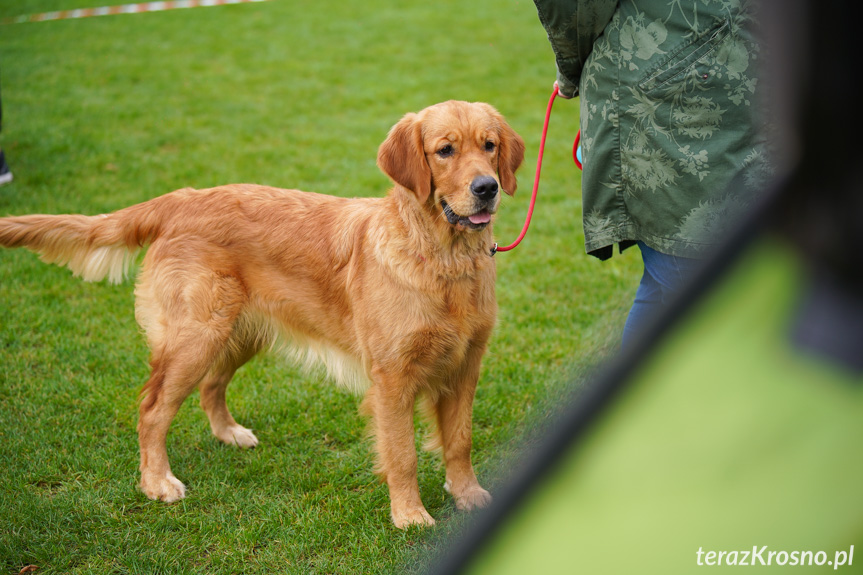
(394, 295)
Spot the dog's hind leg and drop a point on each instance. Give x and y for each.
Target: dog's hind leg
(176, 372)
(222, 423)
(189, 318)
(173, 378)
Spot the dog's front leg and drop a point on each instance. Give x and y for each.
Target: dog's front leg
(454, 412)
(391, 405)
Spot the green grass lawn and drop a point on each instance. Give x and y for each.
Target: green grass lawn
(104, 112)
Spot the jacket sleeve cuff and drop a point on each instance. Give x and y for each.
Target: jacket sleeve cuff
(567, 88)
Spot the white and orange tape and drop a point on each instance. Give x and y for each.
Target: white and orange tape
(120, 9)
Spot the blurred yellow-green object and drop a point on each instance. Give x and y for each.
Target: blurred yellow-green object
(727, 438)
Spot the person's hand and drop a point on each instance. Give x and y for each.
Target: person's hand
(559, 94)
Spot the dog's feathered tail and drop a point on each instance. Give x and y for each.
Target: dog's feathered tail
(93, 247)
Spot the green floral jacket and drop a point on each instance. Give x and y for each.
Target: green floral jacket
(672, 145)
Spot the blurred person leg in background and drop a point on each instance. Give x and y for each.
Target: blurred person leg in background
(5, 173)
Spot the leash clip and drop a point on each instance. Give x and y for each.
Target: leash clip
(493, 249)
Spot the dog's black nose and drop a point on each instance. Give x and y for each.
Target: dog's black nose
(484, 187)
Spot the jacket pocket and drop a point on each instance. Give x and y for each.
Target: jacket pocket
(679, 61)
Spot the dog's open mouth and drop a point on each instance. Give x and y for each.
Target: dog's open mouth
(475, 221)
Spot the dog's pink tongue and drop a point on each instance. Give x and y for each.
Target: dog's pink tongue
(480, 218)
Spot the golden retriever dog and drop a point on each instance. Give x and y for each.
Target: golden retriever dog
(394, 295)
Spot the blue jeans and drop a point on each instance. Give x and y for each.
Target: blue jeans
(664, 278)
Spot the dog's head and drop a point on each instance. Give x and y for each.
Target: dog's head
(456, 157)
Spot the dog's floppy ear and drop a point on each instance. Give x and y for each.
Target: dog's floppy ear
(402, 157)
(510, 157)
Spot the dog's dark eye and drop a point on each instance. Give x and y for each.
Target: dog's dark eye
(446, 151)
(489, 146)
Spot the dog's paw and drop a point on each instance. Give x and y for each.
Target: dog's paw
(404, 518)
(166, 488)
(474, 497)
(238, 435)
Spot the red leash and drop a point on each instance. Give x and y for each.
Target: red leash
(575, 158)
(575, 154)
(496, 249)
